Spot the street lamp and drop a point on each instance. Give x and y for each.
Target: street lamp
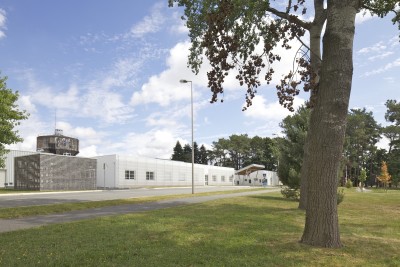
(191, 101)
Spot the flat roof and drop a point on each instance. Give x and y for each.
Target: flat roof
(249, 169)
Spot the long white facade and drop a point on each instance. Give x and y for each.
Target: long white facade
(116, 171)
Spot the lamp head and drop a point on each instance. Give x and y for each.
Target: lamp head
(184, 81)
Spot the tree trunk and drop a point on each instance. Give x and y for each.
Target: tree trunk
(328, 124)
(315, 58)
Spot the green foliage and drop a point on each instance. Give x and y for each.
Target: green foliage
(178, 152)
(340, 195)
(291, 193)
(349, 183)
(10, 118)
(238, 151)
(362, 135)
(383, 7)
(362, 177)
(295, 128)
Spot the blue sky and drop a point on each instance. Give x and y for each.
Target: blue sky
(110, 71)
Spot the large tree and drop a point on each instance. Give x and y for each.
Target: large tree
(10, 117)
(228, 32)
(362, 134)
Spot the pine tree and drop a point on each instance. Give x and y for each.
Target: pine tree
(178, 152)
(187, 153)
(196, 153)
(203, 155)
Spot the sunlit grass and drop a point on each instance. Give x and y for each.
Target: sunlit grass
(18, 212)
(258, 230)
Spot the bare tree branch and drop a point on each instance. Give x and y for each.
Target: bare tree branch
(290, 18)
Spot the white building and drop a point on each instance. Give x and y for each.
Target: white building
(7, 174)
(254, 175)
(117, 171)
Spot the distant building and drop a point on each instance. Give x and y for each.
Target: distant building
(44, 172)
(117, 171)
(255, 175)
(58, 144)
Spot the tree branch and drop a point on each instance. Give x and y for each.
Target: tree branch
(290, 18)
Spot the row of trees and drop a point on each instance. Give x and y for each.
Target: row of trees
(360, 151)
(236, 151)
(185, 153)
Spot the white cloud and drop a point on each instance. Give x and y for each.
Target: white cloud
(165, 88)
(381, 56)
(94, 99)
(3, 20)
(389, 66)
(363, 16)
(376, 48)
(178, 25)
(89, 151)
(158, 143)
(150, 24)
(262, 110)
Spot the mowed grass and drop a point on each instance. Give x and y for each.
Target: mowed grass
(19, 212)
(260, 230)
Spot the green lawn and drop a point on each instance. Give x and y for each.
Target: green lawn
(19, 212)
(260, 230)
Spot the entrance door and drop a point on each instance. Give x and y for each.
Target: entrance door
(206, 180)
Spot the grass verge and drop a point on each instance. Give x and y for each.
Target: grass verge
(258, 230)
(19, 212)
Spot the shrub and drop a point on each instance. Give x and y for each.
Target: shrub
(340, 195)
(349, 183)
(291, 193)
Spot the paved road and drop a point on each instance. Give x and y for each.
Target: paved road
(45, 198)
(36, 221)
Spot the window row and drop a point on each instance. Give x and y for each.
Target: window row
(150, 176)
(130, 175)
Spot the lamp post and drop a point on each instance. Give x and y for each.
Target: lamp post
(191, 101)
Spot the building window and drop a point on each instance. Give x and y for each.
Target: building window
(214, 178)
(222, 178)
(231, 178)
(129, 175)
(149, 175)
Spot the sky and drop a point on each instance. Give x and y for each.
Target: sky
(107, 73)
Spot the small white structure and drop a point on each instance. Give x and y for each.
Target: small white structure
(7, 174)
(254, 175)
(117, 171)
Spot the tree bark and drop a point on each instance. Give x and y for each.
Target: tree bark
(328, 125)
(315, 58)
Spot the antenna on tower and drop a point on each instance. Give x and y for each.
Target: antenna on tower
(55, 119)
(56, 131)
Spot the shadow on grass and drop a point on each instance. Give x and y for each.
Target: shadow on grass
(278, 198)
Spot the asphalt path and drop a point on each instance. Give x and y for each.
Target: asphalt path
(8, 225)
(48, 198)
